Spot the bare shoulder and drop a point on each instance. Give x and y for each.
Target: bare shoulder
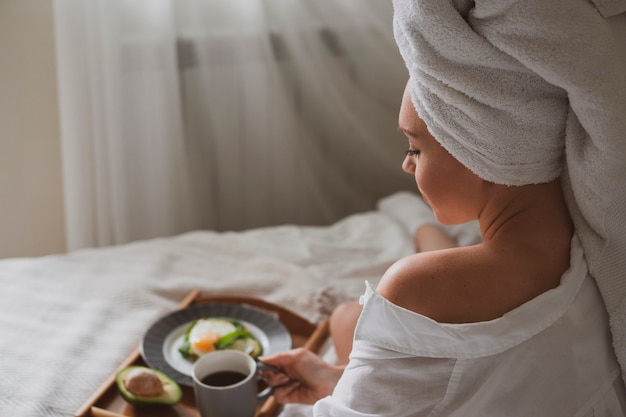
(461, 285)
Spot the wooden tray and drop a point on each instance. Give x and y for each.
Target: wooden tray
(107, 402)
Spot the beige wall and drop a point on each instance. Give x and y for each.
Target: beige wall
(31, 199)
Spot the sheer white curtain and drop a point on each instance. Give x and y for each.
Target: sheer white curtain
(224, 114)
(124, 154)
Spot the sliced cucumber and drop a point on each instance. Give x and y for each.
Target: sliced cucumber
(248, 345)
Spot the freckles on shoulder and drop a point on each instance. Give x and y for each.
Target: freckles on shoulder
(398, 276)
(414, 283)
(433, 284)
(459, 285)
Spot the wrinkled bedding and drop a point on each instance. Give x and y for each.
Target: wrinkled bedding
(67, 321)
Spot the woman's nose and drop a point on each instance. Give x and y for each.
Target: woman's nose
(408, 165)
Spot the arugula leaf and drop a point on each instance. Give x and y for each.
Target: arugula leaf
(185, 348)
(230, 338)
(237, 324)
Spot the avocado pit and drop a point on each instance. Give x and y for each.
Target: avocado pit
(144, 382)
(142, 386)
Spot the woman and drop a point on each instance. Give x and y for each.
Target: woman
(511, 326)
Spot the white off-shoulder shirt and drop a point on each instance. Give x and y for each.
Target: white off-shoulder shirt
(550, 357)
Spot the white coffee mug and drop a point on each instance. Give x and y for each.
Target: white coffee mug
(225, 384)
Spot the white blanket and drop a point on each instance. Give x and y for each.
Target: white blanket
(67, 321)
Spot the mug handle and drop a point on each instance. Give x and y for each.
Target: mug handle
(267, 392)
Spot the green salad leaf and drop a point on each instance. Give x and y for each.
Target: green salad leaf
(239, 339)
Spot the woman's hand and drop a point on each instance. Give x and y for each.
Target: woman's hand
(305, 377)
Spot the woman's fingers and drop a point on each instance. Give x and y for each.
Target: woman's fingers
(274, 378)
(288, 393)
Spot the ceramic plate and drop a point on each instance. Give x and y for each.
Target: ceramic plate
(160, 344)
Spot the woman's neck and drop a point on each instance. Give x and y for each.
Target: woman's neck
(526, 210)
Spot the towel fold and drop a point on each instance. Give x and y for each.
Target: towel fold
(610, 8)
(522, 91)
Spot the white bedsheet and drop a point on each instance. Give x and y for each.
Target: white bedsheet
(67, 321)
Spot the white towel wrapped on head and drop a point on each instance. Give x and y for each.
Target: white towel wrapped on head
(484, 107)
(522, 91)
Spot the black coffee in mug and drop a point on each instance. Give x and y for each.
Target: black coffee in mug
(223, 378)
(225, 384)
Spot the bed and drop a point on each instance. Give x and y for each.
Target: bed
(68, 321)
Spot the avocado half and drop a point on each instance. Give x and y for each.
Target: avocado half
(171, 394)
